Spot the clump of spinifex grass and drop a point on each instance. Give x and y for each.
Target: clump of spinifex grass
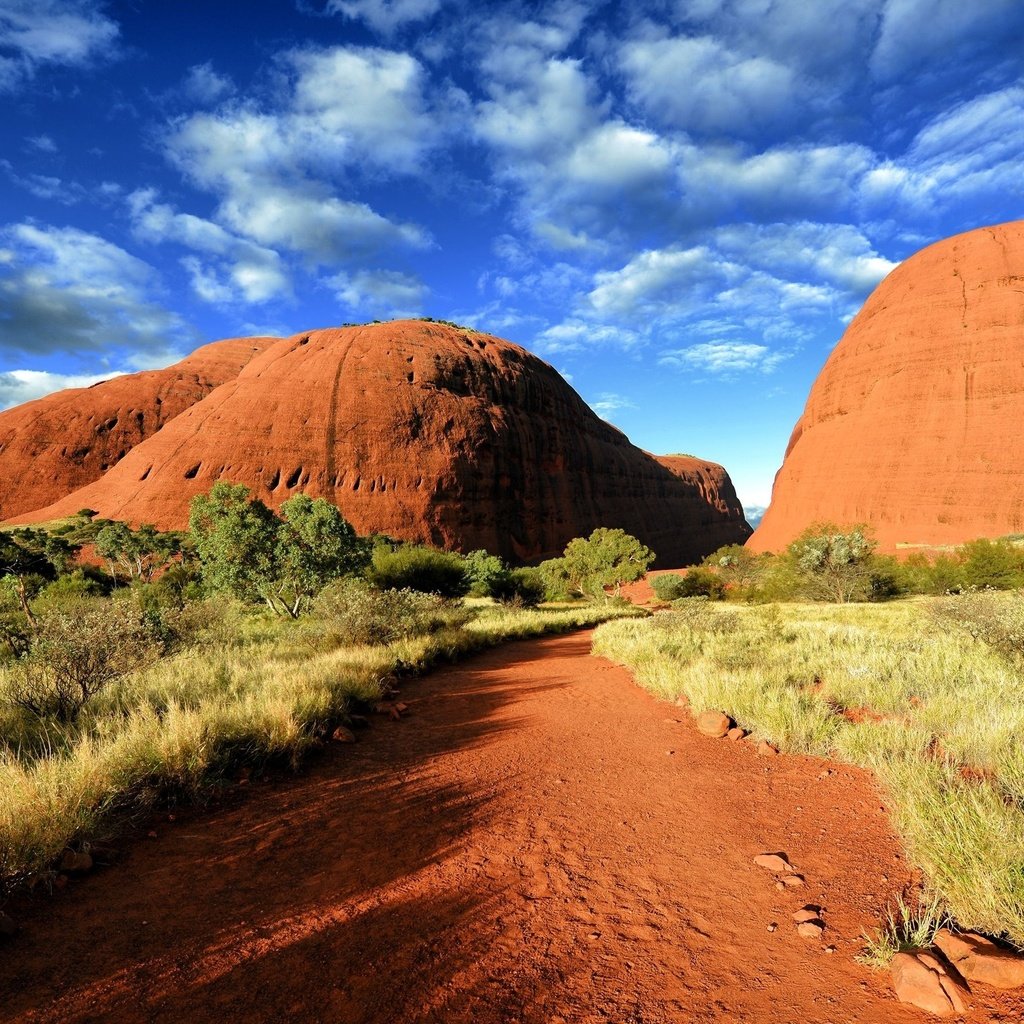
(933, 712)
(264, 691)
(904, 929)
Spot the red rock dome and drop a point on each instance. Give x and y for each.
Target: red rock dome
(914, 424)
(53, 446)
(424, 432)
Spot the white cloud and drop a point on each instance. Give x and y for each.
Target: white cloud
(577, 334)
(42, 143)
(19, 386)
(203, 85)
(37, 33)
(345, 112)
(699, 84)
(243, 269)
(65, 290)
(380, 291)
(385, 16)
(724, 358)
(913, 32)
(608, 402)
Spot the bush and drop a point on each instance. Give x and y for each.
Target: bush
(995, 620)
(353, 612)
(484, 571)
(521, 588)
(555, 577)
(75, 653)
(606, 559)
(415, 567)
(696, 583)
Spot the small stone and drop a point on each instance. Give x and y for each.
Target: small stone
(792, 881)
(736, 733)
(8, 926)
(807, 913)
(343, 735)
(401, 708)
(75, 863)
(765, 749)
(670, 752)
(682, 701)
(714, 723)
(981, 960)
(829, 949)
(151, 834)
(772, 926)
(773, 862)
(810, 929)
(922, 981)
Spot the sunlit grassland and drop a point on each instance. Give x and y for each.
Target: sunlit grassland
(261, 690)
(937, 716)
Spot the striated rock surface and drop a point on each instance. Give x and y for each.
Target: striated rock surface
(913, 425)
(54, 445)
(424, 432)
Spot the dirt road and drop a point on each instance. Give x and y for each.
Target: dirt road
(538, 841)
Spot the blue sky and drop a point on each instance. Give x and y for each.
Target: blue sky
(679, 204)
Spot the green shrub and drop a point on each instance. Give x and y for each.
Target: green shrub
(696, 583)
(75, 652)
(415, 567)
(521, 588)
(484, 571)
(555, 577)
(353, 612)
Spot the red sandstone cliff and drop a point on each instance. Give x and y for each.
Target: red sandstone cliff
(914, 424)
(427, 433)
(53, 446)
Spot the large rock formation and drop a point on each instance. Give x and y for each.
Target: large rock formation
(53, 446)
(914, 424)
(423, 432)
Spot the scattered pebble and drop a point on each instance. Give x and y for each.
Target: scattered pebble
(807, 913)
(792, 881)
(810, 929)
(772, 926)
(714, 723)
(773, 862)
(829, 949)
(765, 749)
(736, 733)
(343, 735)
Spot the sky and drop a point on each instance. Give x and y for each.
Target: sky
(679, 204)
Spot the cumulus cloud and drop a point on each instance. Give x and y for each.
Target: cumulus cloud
(66, 290)
(380, 291)
(277, 172)
(608, 402)
(19, 386)
(39, 33)
(203, 85)
(385, 16)
(724, 358)
(701, 85)
(242, 269)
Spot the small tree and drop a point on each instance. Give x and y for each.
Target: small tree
(137, 554)
(607, 558)
(32, 557)
(235, 538)
(834, 566)
(315, 544)
(484, 571)
(74, 654)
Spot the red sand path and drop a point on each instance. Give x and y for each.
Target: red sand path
(521, 848)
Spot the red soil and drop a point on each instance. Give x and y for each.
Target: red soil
(523, 847)
(427, 433)
(913, 425)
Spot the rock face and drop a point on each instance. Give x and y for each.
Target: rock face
(53, 446)
(424, 432)
(913, 425)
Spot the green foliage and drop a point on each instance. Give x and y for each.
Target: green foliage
(235, 538)
(136, 554)
(484, 570)
(247, 551)
(520, 588)
(992, 563)
(555, 576)
(904, 928)
(989, 618)
(75, 653)
(414, 567)
(606, 559)
(353, 611)
(697, 582)
(315, 544)
(834, 566)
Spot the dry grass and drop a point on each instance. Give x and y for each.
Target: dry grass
(937, 716)
(263, 691)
